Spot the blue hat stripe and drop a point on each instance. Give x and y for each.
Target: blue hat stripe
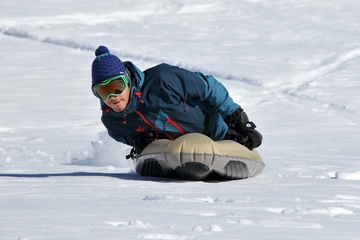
(103, 55)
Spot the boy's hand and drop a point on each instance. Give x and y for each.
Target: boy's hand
(239, 122)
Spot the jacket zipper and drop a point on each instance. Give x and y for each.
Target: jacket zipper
(176, 125)
(150, 124)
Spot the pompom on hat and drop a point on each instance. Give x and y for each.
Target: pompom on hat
(105, 66)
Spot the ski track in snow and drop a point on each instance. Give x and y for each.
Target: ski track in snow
(292, 87)
(331, 64)
(72, 44)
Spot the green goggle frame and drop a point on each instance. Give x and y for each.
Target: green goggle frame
(110, 87)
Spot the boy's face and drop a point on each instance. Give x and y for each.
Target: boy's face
(119, 103)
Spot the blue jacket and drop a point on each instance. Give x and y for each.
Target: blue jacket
(169, 102)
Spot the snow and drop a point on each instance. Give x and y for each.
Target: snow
(292, 65)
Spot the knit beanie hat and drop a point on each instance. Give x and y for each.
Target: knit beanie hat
(105, 65)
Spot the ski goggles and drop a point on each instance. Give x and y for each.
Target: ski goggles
(110, 87)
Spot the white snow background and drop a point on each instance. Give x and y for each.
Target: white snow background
(292, 65)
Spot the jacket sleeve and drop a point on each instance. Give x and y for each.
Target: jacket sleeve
(203, 88)
(217, 96)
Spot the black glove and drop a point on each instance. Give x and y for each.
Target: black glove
(239, 123)
(231, 134)
(139, 142)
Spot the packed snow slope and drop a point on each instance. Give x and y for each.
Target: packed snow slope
(292, 65)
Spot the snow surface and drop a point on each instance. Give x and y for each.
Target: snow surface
(292, 65)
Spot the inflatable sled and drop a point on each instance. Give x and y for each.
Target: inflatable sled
(195, 156)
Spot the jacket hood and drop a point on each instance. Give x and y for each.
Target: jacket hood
(137, 76)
